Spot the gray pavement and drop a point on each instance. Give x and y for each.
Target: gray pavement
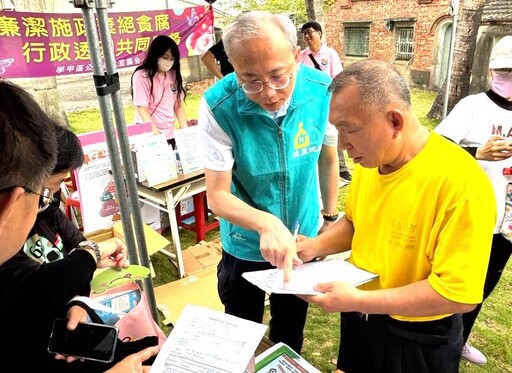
(77, 92)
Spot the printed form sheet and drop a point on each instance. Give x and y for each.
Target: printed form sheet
(208, 341)
(306, 276)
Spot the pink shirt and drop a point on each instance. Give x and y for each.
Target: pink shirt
(327, 58)
(161, 103)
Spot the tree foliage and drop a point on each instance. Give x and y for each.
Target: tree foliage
(297, 8)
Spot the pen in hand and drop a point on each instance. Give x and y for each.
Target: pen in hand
(296, 231)
(287, 277)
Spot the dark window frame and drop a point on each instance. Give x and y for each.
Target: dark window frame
(356, 39)
(404, 41)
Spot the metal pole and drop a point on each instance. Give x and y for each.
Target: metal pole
(107, 84)
(455, 15)
(117, 102)
(106, 116)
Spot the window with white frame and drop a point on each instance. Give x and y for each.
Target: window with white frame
(404, 42)
(357, 40)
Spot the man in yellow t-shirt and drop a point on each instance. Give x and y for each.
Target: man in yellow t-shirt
(420, 213)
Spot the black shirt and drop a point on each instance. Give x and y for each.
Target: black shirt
(221, 56)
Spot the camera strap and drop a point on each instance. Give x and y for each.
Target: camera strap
(315, 62)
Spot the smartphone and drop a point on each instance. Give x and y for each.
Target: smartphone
(89, 341)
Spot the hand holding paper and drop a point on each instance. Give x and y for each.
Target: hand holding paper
(335, 296)
(305, 277)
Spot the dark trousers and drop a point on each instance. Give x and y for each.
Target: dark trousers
(243, 299)
(384, 345)
(500, 253)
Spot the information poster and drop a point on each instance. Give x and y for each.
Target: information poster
(155, 160)
(95, 182)
(188, 145)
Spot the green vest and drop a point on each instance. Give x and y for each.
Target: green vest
(275, 167)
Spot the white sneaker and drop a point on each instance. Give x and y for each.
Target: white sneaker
(472, 355)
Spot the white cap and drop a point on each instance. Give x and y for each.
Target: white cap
(501, 55)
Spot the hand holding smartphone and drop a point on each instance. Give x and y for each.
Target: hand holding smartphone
(88, 341)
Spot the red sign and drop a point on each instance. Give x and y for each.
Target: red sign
(51, 44)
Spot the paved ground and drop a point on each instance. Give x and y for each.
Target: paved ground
(80, 93)
(77, 92)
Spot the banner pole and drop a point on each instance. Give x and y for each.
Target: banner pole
(107, 86)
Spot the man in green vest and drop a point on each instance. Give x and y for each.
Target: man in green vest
(271, 165)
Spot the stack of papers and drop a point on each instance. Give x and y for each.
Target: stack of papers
(204, 340)
(306, 276)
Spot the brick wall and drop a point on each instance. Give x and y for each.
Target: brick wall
(427, 14)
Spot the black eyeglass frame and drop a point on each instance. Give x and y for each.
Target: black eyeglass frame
(308, 32)
(45, 198)
(268, 82)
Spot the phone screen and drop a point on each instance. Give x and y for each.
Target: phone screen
(89, 341)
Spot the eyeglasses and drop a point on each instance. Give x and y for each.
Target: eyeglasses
(308, 33)
(277, 82)
(45, 196)
(503, 71)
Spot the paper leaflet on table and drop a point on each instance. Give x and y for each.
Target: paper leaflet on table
(205, 340)
(155, 160)
(188, 142)
(306, 276)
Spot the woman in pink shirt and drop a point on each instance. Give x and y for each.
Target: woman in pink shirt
(157, 89)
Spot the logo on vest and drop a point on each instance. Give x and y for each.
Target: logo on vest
(301, 139)
(302, 144)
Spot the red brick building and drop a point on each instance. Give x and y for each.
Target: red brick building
(414, 35)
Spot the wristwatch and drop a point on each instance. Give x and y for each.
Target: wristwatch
(91, 245)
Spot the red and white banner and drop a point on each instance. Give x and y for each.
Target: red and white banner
(52, 44)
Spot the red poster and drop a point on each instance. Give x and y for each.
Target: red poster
(52, 44)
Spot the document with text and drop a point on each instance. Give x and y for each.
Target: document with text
(306, 276)
(205, 340)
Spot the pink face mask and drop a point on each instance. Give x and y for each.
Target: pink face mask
(502, 85)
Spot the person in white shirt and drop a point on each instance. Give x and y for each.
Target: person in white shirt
(482, 125)
(326, 59)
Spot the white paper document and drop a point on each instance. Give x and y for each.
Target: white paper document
(208, 341)
(155, 160)
(306, 276)
(188, 144)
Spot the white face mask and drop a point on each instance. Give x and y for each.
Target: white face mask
(164, 65)
(502, 85)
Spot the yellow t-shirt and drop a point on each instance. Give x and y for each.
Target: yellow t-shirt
(431, 219)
